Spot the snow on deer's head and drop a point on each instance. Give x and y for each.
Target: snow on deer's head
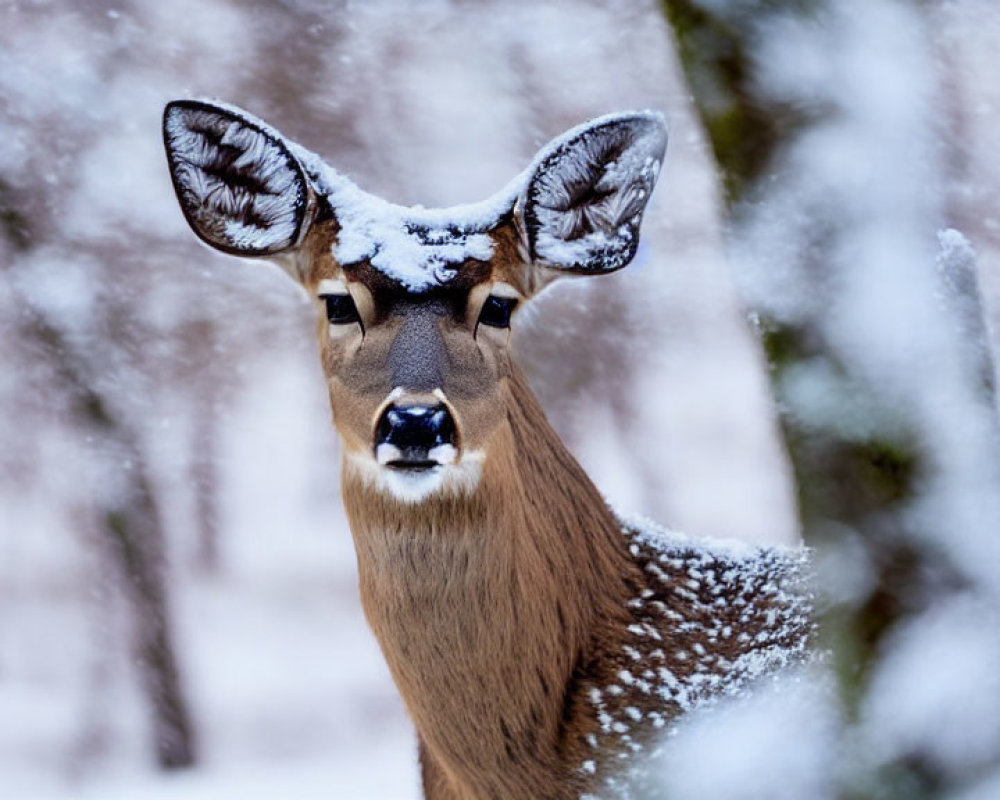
(415, 305)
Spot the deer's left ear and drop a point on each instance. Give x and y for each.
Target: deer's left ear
(240, 186)
(582, 205)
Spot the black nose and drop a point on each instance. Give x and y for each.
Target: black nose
(412, 432)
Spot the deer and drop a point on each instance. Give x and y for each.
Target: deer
(540, 641)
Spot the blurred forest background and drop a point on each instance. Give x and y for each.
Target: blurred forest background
(803, 347)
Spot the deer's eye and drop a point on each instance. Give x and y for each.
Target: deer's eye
(340, 309)
(497, 310)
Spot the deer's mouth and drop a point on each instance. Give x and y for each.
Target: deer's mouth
(412, 466)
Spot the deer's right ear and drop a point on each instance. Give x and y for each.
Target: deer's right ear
(241, 188)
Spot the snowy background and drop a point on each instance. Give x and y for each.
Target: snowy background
(178, 611)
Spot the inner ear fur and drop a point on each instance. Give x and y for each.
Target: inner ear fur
(241, 188)
(582, 206)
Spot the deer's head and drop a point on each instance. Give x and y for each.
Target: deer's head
(414, 305)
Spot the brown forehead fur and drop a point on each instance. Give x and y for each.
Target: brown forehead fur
(506, 265)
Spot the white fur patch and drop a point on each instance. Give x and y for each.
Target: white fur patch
(456, 478)
(443, 454)
(331, 286)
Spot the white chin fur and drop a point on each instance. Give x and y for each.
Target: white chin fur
(415, 487)
(411, 487)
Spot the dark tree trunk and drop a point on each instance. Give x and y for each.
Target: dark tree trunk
(137, 542)
(204, 473)
(131, 526)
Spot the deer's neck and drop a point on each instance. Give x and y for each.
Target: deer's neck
(486, 604)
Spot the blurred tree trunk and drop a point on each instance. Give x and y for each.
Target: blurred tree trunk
(131, 527)
(200, 336)
(206, 482)
(137, 543)
(966, 32)
(125, 506)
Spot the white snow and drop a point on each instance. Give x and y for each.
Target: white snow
(773, 743)
(937, 689)
(695, 591)
(417, 247)
(660, 538)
